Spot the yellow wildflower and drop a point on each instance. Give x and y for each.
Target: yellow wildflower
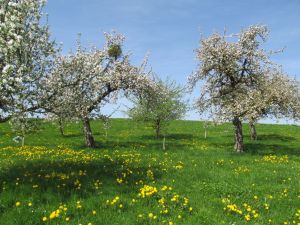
(247, 217)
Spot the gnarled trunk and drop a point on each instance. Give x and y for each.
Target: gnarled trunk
(239, 142)
(253, 133)
(89, 139)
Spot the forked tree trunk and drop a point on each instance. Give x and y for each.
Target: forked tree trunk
(239, 142)
(253, 133)
(89, 139)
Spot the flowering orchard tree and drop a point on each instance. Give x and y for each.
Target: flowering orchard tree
(237, 75)
(82, 82)
(279, 96)
(25, 53)
(284, 93)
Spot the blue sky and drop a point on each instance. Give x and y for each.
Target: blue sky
(170, 29)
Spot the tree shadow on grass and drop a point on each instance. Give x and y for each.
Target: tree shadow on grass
(260, 148)
(274, 149)
(65, 179)
(275, 137)
(266, 137)
(138, 144)
(177, 137)
(173, 140)
(70, 135)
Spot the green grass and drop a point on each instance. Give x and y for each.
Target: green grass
(62, 172)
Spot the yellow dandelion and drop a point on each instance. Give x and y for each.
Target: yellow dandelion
(247, 217)
(52, 215)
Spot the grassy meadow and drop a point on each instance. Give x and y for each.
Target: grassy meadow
(130, 179)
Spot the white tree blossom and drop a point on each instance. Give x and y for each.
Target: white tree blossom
(25, 52)
(240, 80)
(84, 81)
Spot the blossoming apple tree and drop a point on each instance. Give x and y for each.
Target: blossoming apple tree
(237, 75)
(279, 96)
(82, 82)
(25, 54)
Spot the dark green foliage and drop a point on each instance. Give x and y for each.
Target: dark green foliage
(115, 51)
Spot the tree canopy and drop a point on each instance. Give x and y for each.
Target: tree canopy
(26, 54)
(241, 80)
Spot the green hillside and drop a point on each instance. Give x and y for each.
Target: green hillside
(130, 179)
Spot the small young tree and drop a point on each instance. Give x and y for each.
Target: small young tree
(206, 125)
(22, 125)
(82, 82)
(159, 106)
(106, 120)
(235, 74)
(60, 118)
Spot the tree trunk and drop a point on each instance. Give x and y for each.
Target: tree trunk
(23, 141)
(253, 133)
(61, 127)
(164, 143)
(239, 143)
(89, 139)
(157, 129)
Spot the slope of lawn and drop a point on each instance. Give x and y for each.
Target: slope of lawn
(130, 179)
